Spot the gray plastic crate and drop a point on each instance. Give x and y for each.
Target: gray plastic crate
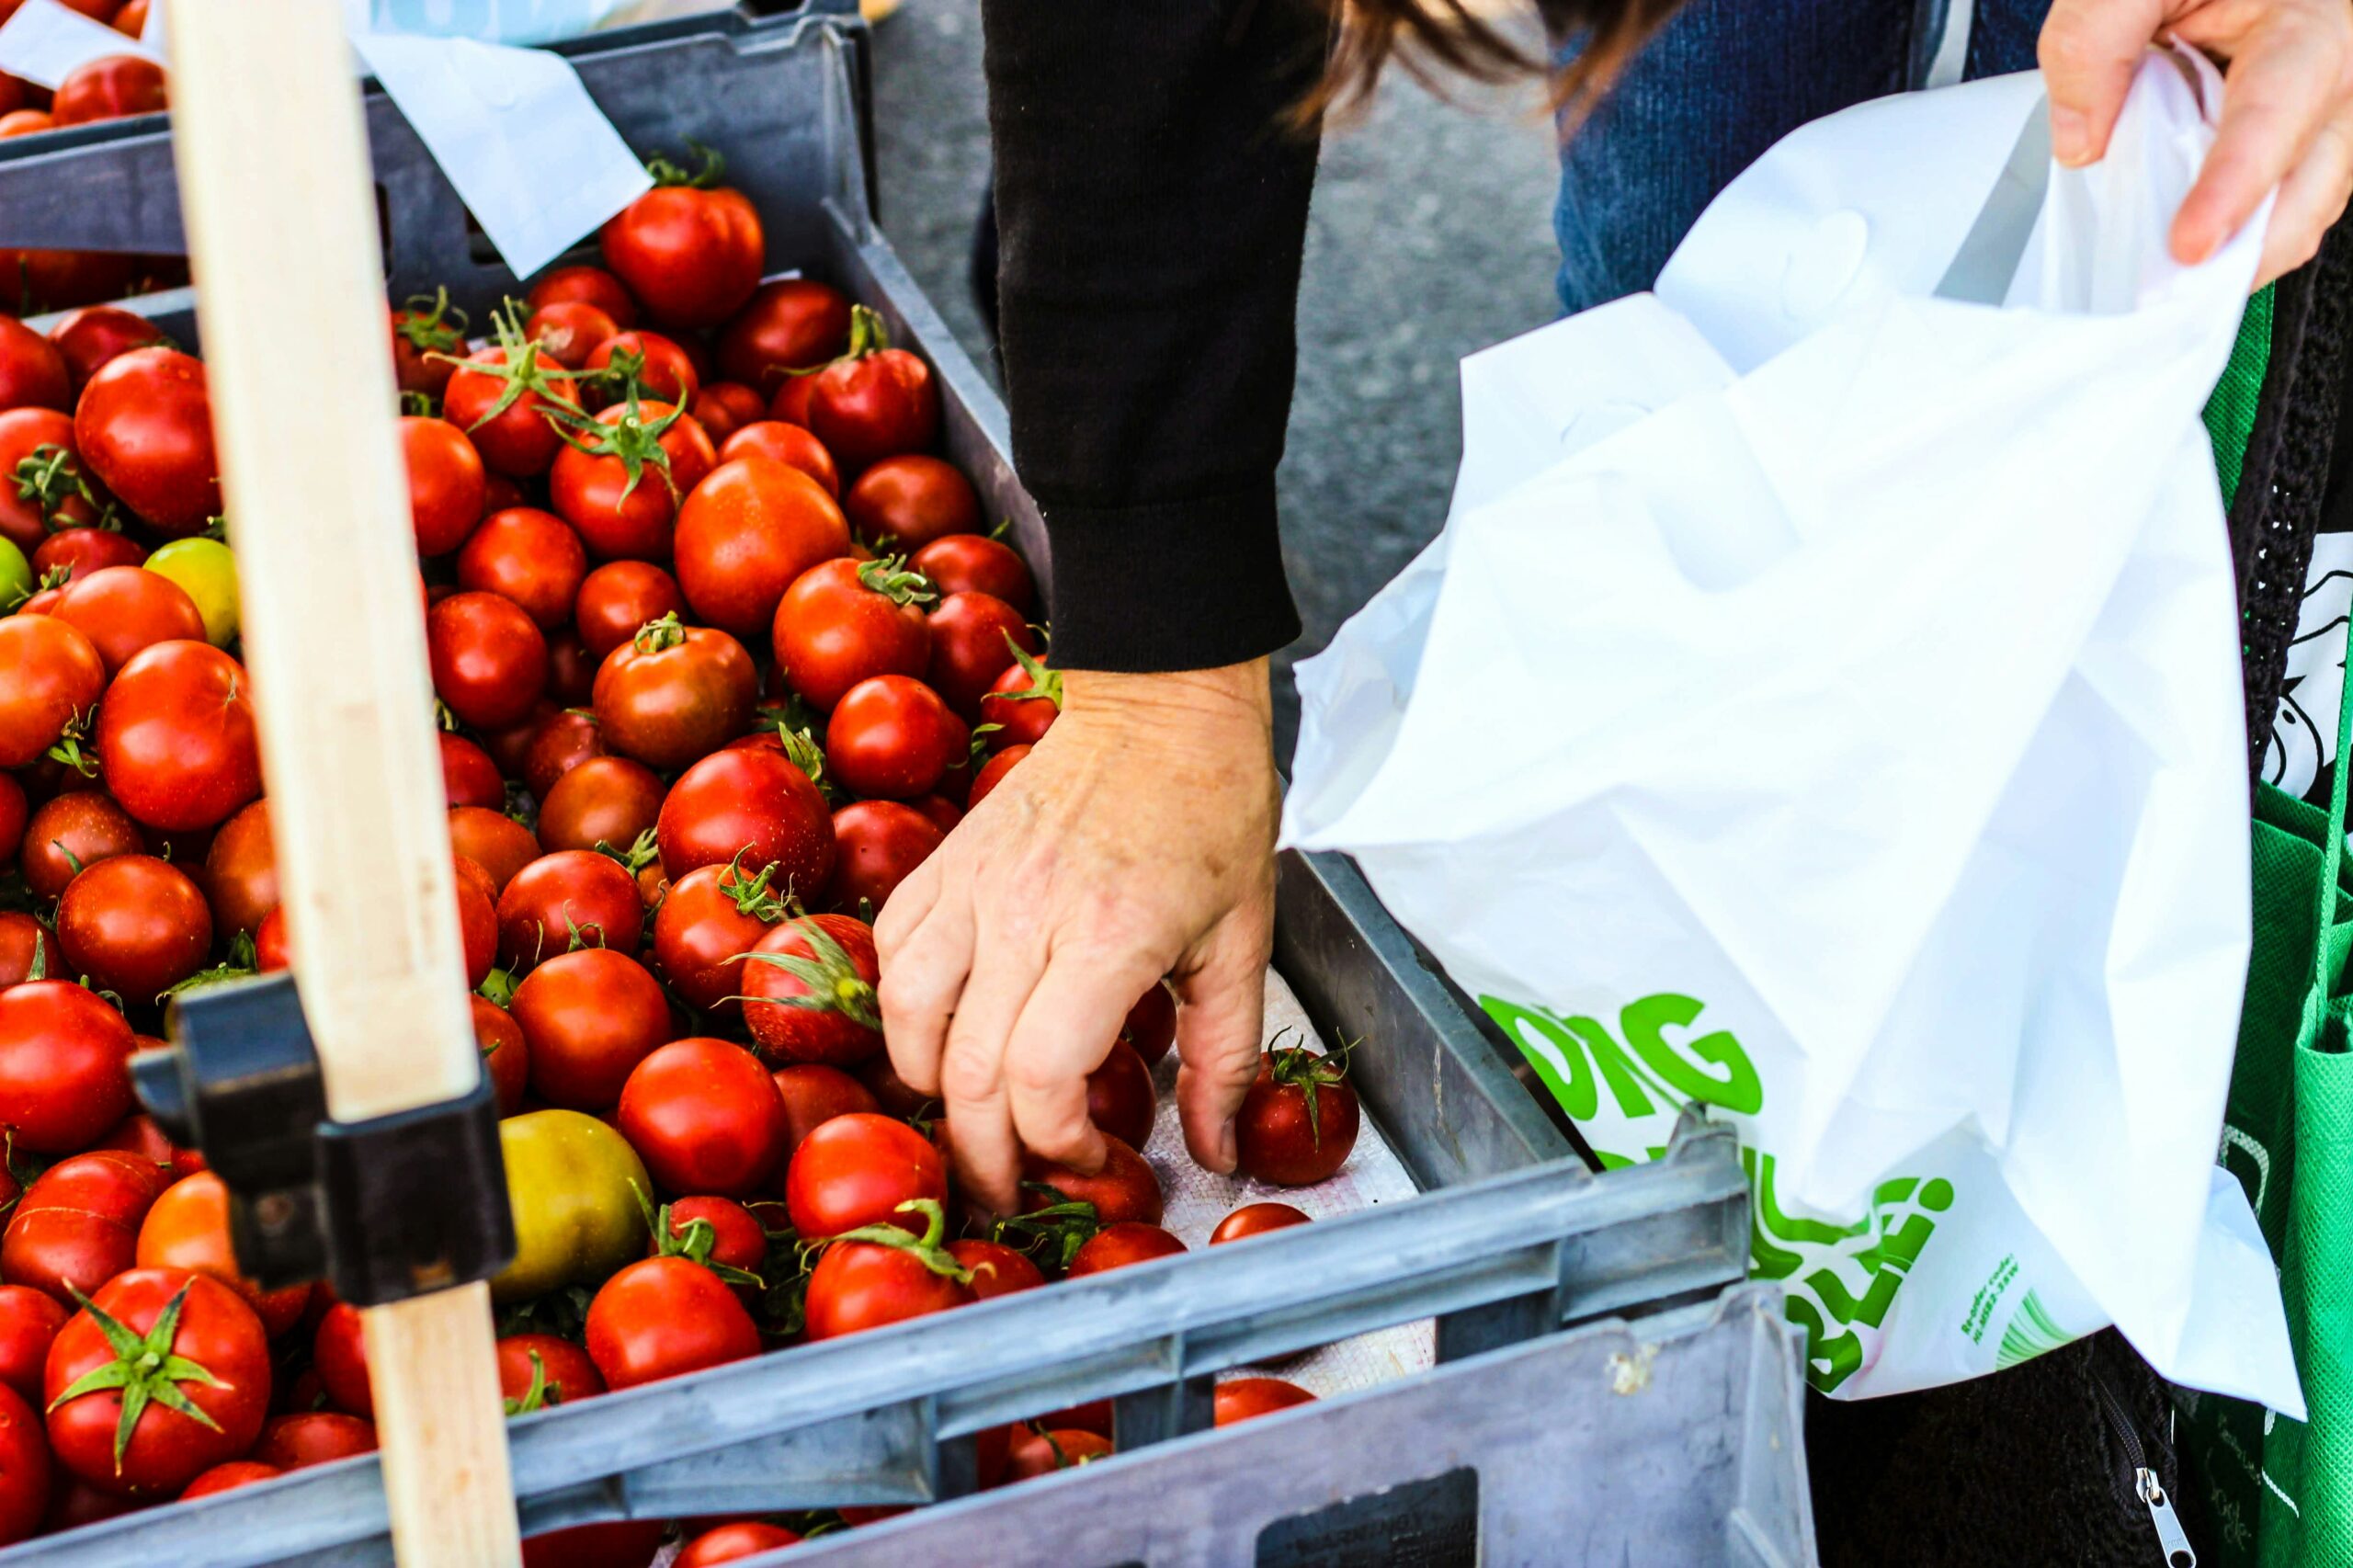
(1512, 1238)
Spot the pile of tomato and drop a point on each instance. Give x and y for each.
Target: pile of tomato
(722, 648)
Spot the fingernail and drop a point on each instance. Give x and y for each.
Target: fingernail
(2070, 137)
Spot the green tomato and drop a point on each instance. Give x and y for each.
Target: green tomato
(572, 1183)
(206, 570)
(16, 575)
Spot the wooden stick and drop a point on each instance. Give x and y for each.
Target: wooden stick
(278, 199)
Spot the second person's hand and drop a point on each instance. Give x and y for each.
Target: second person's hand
(1137, 840)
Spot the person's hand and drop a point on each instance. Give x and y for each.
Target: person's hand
(1136, 841)
(2287, 109)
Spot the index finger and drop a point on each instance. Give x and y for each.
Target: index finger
(2088, 50)
(2276, 92)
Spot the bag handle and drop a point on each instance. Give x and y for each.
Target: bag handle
(2332, 857)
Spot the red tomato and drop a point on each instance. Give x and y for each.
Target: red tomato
(876, 844)
(144, 426)
(229, 1477)
(138, 1134)
(24, 1468)
(42, 481)
(1298, 1120)
(77, 1226)
(114, 87)
(1152, 1023)
(861, 1285)
(793, 325)
(446, 482)
(571, 674)
(812, 1095)
(135, 925)
(997, 1270)
(161, 1450)
(71, 552)
(1239, 1399)
(25, 947)
(25, 122)
(705, 1117)
(893, 1093)
(630, 1543)
(1117, 1246)
(591, 285)
(675, 693)
(661, 1317)
(623, 487)
(468, 776)
(752, 802)
(589, 1018)
(875, 401)
(856, 1170)
(565, 1373)
(314, 1437)
(13, 812)
(1034, 1454)
(737, 1240)
(993, 773)
(790, 444)
(54, 674)
(521, 438)
(618, 598)
(505, 1055)
(270, 949)
(843, 622)
(1123, 1190)
(809, 991)
(426, 338)
(93, 335)
(744, 1538)
(791, 403)
(658, 365)
(558, 744)
(571, 898)
(52, 280)
(490, 661)
(906, 502)
(64, 1065)
(528, 556)
(32, 371)
(568, 331)
(74, 830)
(713, 915)
(975, 638)
(28, 1322)
(746, 533)
(339, 1352)
(722, 408)
(1023, 704)
(188, 1227)
(176, 737)
(493, 840)
(602, 800)
(1119, 1096)
(692, 254)
(1256, 1219)
(240, 871)
(892, 736)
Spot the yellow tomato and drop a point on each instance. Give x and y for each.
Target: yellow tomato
(573, 1183)
(206, 570)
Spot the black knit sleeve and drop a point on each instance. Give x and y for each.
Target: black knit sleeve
(1152, 196)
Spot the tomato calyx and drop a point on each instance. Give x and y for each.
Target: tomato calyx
(50, 477)
(633, 441)
(693, 1241)
(419, 404)
(74, 748)
(242, 962)
(497, 988)
(660, 634)
(710, 164)
(830, 982)
(925, 1249)
(753, 895)
(890, 577)
(1045, 684)
(519, 369)
(143, 1369)
(643, 852)
(539, 1396)
(1056, 1231)
(1296, 1066)
(432, 326)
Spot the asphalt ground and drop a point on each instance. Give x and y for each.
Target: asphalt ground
(1430, 237)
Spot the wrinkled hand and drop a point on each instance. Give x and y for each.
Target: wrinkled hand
(2287, 109)
(1136, 841)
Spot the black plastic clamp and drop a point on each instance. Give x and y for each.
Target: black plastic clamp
(387, 1209)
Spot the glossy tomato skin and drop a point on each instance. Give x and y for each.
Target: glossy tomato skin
(621, 520)
(1150, 1024)
(618, 598)
(25, 1471)
(188, 1227)
(572, 1183)
(468, 777)
(875, 406)
(568, 331)
(908, 501)
(591, 285)
(78, 829)
(738, 1240)
(892, 737)
(24, 432)
(519, 440)
(1020, 720)
(814, 1094)
(114, 87)
(1119, 1096)
(32, 371)
(560, 742)
(998, 1269)
(135, 925)
(667, 697)
(752, 527)
(722, 408)
(446, 482)
(790, 444)
(566, 1373)
(493, 840)
(505, 1055)
(1123, 1190)
(701, 927)
(75, 553)
(972, 639)
(216, 1330)
(572, 890)
(489, 663)
(603, 800)
(856, 1170)
(1034, 1454)
(25, 945)
(571, 674)
(841, 623)
(878, 845)
(791, 403)
(754, 803)
(314, 1437)
(1256, 1219)
(793, 325)
(122, 609)
(993, 773)
(704, 1115)
(90, 337)
(229, 1477)
(54, 672)
(1118, 1246)
(861, 1285)
(176, 737)
(240, 871)
(691, 256)
(661, 1317)
(64, 1065)
(1278, 1140)
(797, 1016)
(530, 557)
(1239, 1399)
(77, 1226)
(28, 1323)
(660, 365)
(590, 1018)
(742, 1538)
(144, 426)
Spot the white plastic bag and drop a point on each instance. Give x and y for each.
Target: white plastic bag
(1824, 704)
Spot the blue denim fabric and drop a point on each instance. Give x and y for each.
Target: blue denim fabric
(1722, 82)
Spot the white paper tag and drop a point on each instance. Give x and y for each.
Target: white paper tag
(498, 120)
(45, 41)
(490, 21)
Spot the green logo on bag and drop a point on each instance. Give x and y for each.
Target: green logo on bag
(1647, 1079)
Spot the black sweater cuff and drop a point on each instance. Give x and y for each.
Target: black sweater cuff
(1170, 585)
